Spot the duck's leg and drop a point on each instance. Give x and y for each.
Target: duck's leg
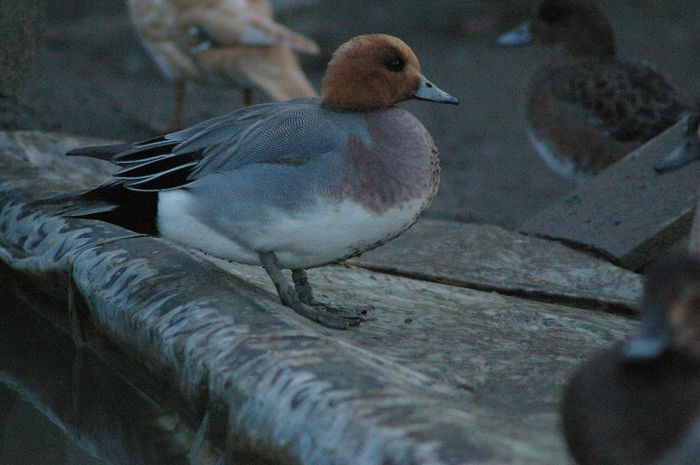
(288, 295)
(303, 287)
(306, 295)
(247, 96)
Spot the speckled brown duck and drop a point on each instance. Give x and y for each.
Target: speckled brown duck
(587, 108)
(230, 41)
(291, 185)
(636, 402)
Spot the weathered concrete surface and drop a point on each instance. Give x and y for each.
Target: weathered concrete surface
(438, 375)
(628, 212)
(492, 258)
(509, 356)
(24, 154)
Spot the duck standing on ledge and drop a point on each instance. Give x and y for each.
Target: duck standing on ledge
(635, 402)
(291, 185)
(230, 41)
(587, 109)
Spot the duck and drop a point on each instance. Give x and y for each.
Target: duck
(287, 185)
(635, 402)
(233, 42)
(587, 108)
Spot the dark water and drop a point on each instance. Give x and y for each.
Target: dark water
(61, 405)
(27, 437)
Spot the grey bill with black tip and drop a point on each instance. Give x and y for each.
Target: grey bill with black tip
(430, 92)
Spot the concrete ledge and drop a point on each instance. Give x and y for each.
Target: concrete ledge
(628, 213)
(494, 259)
(439, 375)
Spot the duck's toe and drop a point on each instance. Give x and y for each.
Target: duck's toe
(329, 316)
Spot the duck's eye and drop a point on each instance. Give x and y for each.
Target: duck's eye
(395, 65)
(553, 13)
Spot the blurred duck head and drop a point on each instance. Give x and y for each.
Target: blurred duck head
(670, 310)
(578, 26)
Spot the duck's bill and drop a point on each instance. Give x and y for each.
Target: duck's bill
(429, 91)
(521, 35)
(685, 153)
(643, 349)
(652, 341)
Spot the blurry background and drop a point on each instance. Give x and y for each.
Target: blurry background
(94, 78)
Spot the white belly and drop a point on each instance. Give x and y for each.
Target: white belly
(564, 167)
(325, 234)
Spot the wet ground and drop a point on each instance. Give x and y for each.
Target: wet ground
(94, 78)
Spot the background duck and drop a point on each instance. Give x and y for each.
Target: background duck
(288, 185)
(636, 401)
(233, 41)
(587, 108)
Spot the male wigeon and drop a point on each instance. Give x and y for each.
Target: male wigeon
(687, 151)
(587, 109)
(634, 402)
(288, 185)
(231, 41)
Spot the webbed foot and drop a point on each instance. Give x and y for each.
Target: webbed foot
(301, 299)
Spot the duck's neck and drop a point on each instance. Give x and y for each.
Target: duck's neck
(597, 51)
(355, 108)
(598, 44)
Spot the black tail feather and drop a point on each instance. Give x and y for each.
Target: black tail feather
(144, 152)
(103, 152)
(112, 203)
(137, 211)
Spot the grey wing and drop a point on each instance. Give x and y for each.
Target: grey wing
(630, 101)
(293, 136)
(290, 132)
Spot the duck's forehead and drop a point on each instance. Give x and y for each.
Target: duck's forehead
(394, 43)
(379, 45)
(392, 47)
